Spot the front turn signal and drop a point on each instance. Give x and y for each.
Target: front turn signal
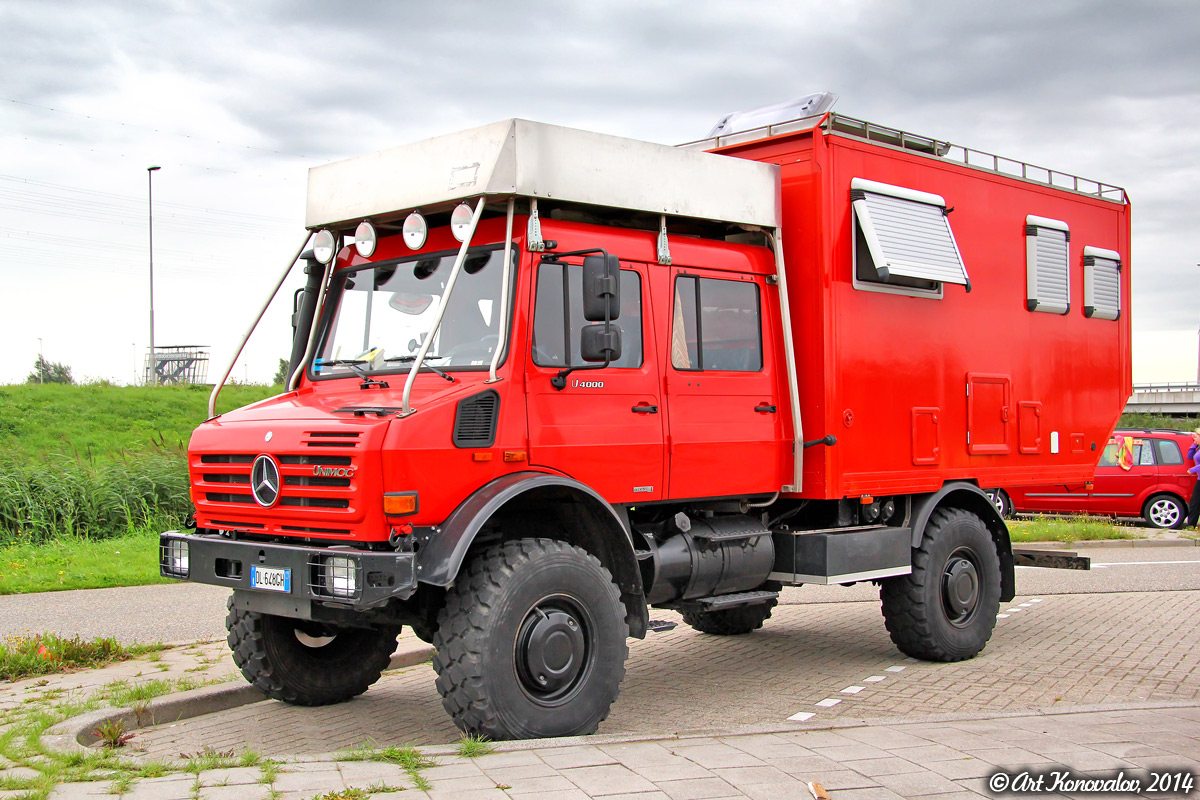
(399, 504)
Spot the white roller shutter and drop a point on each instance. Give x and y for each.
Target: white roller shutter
(1047, 244)
(907, 232)
(1101, 283)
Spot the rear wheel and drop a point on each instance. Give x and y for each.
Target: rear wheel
(946, 608)
(306, 663)
(531, 642)
(1165, 511)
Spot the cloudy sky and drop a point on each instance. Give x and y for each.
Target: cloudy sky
(235, 101)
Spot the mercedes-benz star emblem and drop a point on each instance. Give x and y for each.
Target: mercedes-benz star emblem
(264, 481)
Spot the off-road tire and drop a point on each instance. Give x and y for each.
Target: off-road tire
(506, 624)
(274, 659)
(1165, 512)
(733, 621)
(946, 608)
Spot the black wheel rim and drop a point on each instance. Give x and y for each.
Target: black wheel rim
(554, 650)
(960, 587)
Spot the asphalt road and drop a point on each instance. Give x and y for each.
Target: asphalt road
(185, 612)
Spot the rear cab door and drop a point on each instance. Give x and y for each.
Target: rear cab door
(725, 418)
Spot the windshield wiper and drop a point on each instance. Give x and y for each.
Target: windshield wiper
(423, 364)
(353, 364)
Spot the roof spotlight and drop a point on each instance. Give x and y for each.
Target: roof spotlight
(460, 221)
(365, 239)
(415, 231)
(324, 245)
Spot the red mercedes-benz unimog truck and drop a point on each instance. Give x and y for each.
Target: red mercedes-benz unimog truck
(545, 379)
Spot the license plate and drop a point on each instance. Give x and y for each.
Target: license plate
(270, 578)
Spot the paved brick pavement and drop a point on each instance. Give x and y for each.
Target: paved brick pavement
(1094, 683)
(1058, 649)
(933, 759)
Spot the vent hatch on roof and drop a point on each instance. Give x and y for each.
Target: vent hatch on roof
(475, 420)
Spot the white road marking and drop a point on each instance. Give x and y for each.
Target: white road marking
(895, 669)
(1035, 599)
(1142, 563)
(802, 716)
(1002, 616)
(829, 702)
(1014, 609)
(873, 679)
(853, 689)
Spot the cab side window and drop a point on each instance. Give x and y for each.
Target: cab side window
(556, 324)
(716, 325)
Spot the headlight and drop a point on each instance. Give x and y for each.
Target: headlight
(365, 239)
(173, 558)
(340, 576)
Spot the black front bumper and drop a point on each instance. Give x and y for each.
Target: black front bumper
(214, 559)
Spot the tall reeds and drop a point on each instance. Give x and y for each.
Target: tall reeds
(76, 495)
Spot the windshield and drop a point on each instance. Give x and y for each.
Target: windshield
(383, 312)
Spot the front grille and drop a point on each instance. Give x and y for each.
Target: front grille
(315, 502)
(225, 497)
(224, 480)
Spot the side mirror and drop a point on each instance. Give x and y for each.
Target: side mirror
(600, 343)
(601, 288)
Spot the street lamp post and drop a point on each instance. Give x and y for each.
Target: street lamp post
(150, 203)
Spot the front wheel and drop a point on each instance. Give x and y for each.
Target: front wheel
(1165, 511)
(531, 642)
(946, 608)
(306, 663)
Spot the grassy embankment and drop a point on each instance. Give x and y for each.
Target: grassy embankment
(89, 475)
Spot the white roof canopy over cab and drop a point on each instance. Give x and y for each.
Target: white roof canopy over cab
(517, 157)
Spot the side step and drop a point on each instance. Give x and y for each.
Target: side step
(723, 601)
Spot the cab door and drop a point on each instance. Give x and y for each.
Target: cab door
(725, 421)
(605, 427)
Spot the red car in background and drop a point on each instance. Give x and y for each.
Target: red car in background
(1142, 473)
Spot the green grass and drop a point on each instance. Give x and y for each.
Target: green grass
(1139, 420)
(46, 653)
(99, 460)
(73, 562)
(475, 746)
(102, 421)
(1067, 529)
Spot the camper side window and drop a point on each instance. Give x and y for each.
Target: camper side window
(716, 325)
(903, 241)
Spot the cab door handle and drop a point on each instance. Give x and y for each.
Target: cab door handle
(764, 408)
(645, 409)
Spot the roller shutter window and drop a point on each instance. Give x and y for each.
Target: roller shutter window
(1101, 283)
(1047, 242)
(907, 233)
